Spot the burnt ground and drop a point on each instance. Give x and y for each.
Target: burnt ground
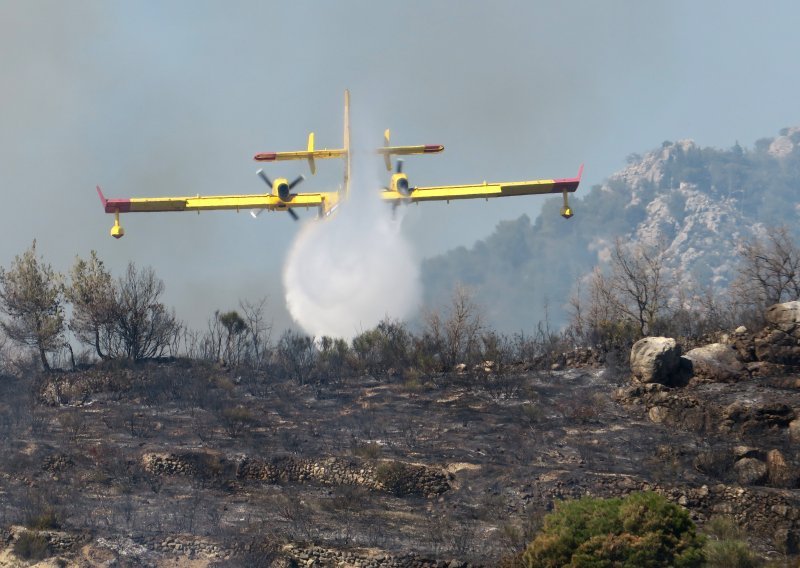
(78, 451)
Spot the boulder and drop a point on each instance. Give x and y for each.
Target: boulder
(716, 362)
(785, 317)
(656, 360)
(780, 473)
(750, 471)
(794, 430)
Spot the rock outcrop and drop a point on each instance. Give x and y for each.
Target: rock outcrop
(780, 341)
(716, 362)
(656, 360)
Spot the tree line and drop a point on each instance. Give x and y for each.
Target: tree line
(126, 318)
(637, 295)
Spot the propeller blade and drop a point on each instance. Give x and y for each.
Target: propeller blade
(297, 180)
(399, 166)
(263, 176)
(291, 212)
(256, 212)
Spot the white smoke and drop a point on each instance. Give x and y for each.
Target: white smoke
(346, 273)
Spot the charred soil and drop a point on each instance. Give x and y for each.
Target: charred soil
(190, 463)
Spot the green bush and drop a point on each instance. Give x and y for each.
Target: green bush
(730, 554)
(640, 531)
(31, 545)
(726, 547)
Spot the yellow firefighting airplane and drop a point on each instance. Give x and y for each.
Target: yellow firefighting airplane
(281, 197)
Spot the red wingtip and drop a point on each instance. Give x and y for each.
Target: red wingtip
(265, 157)
(103, 199)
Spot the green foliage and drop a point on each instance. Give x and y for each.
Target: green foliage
(334, 359)
(31, 545)
(730, 554)
(387, 346)
(94, 299)
(31, 294)
(641, 530)
(726, 547)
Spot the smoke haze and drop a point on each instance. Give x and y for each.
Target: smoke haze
(174, 98)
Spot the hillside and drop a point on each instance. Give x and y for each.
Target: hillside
(181, 463)
(699, 202)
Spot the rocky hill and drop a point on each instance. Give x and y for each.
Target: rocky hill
(699, 203)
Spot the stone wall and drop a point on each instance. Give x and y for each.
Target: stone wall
(319, 556)
(417, 479)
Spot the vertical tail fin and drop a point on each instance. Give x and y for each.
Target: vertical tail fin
(311, 164)
(347, 158)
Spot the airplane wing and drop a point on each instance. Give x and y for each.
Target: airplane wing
(485, 190)
(218, 202)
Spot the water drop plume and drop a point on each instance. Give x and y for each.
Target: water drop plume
(346, 273)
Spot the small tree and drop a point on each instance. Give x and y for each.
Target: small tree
(639, 284)
(259, 331)
(31, 294)
(94, 301)
(456, 336)
(235, 329)
(627, 303)
(297, 355)
(769, 272)
(142, 323)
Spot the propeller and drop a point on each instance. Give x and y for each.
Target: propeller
(283, 188)
(263, 176)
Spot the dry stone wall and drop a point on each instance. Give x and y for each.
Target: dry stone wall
(414, 479)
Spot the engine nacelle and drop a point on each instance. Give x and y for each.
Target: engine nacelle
(400, 184)
(280, 187)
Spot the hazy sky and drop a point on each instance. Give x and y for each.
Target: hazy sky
(154, 98)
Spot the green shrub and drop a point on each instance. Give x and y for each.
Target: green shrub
(31, 545)
(642, 530)
(726, 547)
(730, 554)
